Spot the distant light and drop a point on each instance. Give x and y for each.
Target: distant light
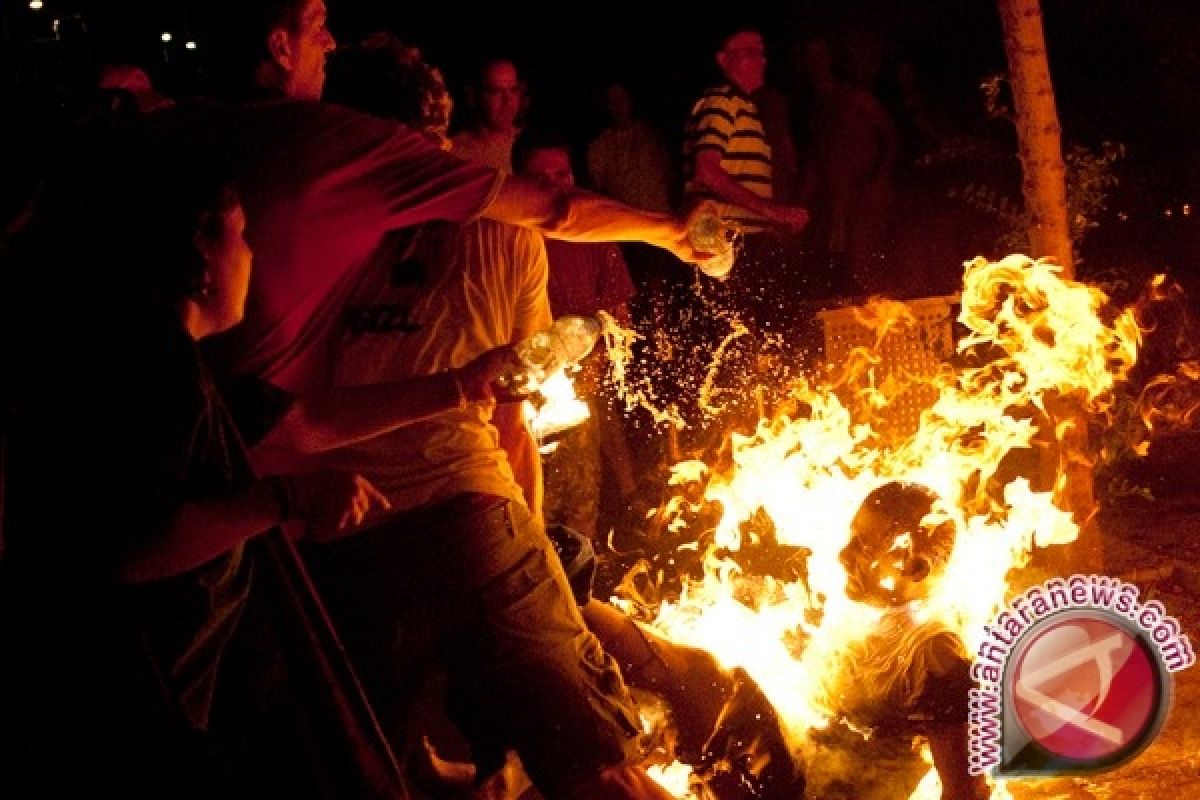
(36, 5)
(1168, 213)
(166, 36)
(190, 45)
(1121, 215)
(1187, 209)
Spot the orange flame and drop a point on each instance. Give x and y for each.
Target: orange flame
(559, 408)
(1032, 338)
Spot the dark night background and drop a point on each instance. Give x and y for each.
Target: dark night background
(1125, 71)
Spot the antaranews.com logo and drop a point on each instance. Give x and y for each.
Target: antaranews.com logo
(1073, 677)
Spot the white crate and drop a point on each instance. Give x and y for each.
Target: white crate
(906, 351)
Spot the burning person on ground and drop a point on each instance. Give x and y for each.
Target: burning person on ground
(724, 727)
(909, 677)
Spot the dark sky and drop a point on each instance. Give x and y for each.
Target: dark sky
(1124, 70)
(565, 48)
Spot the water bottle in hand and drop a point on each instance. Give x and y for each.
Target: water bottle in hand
(709, 233)
(567, 342)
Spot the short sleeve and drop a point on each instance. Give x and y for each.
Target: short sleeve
(712, 123)
(420, 182)
(532, 306)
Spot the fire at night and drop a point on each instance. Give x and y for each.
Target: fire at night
(796, 402)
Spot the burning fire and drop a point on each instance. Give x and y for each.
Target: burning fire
(558, 409)
(1035, 344)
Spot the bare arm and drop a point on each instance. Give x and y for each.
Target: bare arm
(581, 216)
(348, 414)
(201, 530)
(711, 176)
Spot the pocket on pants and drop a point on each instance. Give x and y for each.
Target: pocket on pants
(530, 610)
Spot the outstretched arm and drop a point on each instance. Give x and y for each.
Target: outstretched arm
(581, 216)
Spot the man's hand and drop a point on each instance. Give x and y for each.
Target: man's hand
(676, 240)
(332, 502)
(478, 376)
(716, 263)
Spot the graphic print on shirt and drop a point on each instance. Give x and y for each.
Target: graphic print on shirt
(406, 283)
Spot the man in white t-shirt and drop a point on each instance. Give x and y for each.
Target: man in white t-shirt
(458, 572)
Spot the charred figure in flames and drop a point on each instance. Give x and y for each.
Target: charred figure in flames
(908, 678)
(895, 549)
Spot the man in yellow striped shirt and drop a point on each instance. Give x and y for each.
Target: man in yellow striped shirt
(726, 154)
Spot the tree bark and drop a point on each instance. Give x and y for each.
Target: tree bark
(1064, 464)
(1038, 133)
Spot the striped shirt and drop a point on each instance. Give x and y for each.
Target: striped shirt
(726, 120)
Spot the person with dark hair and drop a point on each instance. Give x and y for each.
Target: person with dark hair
(385, 77)
(278, 44)
(854, 152)
(628, 160)
(121, 603)
(497, 98)
(323, 185)
(411, 586)
(122, 607)
(439, 573)
(133, 80)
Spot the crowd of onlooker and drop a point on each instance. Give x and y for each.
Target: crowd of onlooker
(265, 493)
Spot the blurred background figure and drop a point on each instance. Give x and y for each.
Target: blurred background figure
(585, 279)
(775, 111)
(628, 160)
(133, 80)
(497, 100)
(853, 156)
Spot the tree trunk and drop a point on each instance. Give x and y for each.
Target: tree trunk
(1064, 463)
(1038, 133)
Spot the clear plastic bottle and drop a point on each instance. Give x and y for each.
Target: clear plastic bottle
(568, 341)
(709, 233)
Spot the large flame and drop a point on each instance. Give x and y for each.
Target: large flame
(1039, 354)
